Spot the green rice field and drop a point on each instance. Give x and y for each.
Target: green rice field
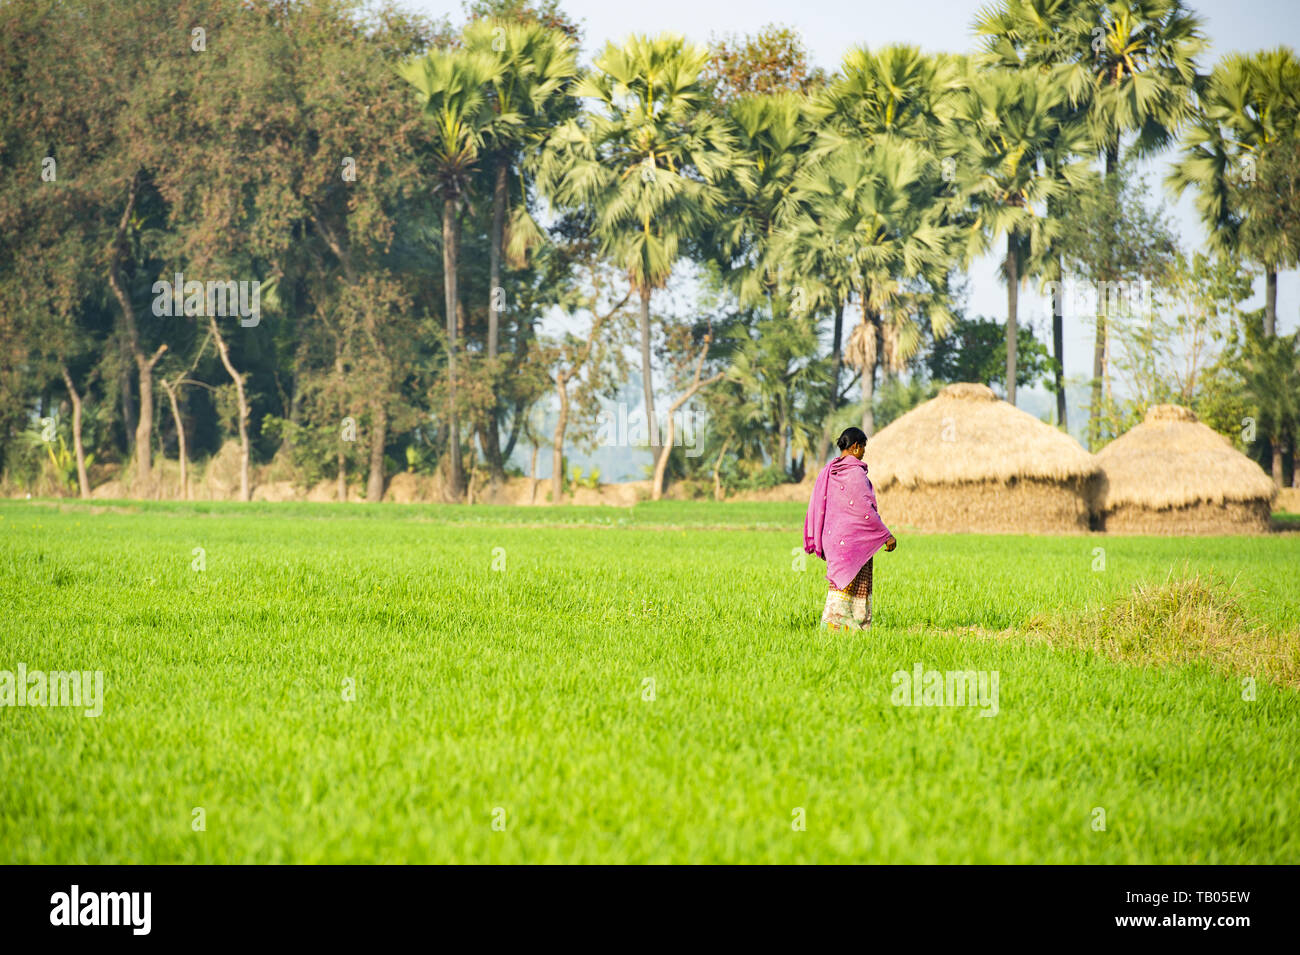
(411, 683)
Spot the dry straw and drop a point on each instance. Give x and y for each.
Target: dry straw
(1172, 474)
(968, 461)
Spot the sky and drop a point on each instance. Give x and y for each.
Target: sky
(831, 27)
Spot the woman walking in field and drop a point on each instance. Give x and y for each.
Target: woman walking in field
(844, 528)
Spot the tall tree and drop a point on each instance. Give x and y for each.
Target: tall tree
(646, 162)
(1005, 126)
(1031, 35)
(1139, 81)
(1230, 158)
(536, 66)
(454, 89)
(877, 209)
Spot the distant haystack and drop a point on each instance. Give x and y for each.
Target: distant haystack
(1173, 475)
(967, 461)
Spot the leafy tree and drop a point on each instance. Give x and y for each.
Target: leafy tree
(1006, 125)
(645, 164)
(587, 369)
(1120, 245)
(453, 88)
(975, 349)
(536, 65)
(771, 61)
(1240, 158)
(1270, 371)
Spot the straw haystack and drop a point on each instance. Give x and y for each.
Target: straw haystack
(968, 461)
(1173, 475)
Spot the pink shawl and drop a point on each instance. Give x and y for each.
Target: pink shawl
(843, 526)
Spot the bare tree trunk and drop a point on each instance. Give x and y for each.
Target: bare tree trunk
(180, 435)
(523, 329)
(494, 258)
(557, 442)
(144, 365)
(1058, 341)
(1099, 345)
(124, 387)
(490, 433)
(532, 476)
(647, 383)
(1013, 294)
(144, 427)
(661, 465)
(1098, 372)
(1276, 444)
(242, 397)
(868, 393)
(83, 481)
(449, 254)
(378, 436)
(342, 478)
(515, 424)
(1270, 302)
(837, 365)
(144, 370)
(717, 471)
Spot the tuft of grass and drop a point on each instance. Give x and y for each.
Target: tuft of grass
(1190, 617)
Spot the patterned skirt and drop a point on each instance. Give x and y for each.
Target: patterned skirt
(850, 608)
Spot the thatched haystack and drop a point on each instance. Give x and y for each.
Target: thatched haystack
(1173, 475)
(966, 461)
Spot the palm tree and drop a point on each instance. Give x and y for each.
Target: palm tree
(1128, 67)
(773, 132)
(453, 88)
(879, 141)
(1248, 107)
(1006, 124)
(646, 164)
(1027, 35)
(815, 272)
(529, 94)
(896, 91)
(536, 66)
(877, 211)
(1139, 82)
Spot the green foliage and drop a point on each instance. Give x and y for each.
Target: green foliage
(897, 396)
(382, 177)
(772, 60)
(976, 350)
(591, 481)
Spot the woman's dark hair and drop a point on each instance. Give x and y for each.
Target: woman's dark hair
(850, 437)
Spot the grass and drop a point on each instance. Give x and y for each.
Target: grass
(1185, 619)
(524, 689)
